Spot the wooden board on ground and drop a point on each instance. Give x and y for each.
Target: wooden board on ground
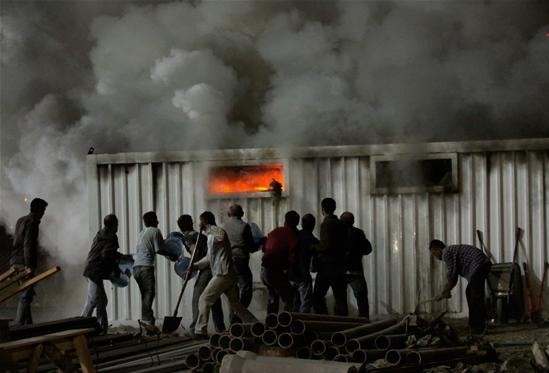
(56, 346)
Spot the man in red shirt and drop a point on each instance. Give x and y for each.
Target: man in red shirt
(280, 254)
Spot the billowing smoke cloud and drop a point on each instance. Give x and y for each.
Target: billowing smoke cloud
(156, 76)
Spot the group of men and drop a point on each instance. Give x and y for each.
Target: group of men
(222, 257)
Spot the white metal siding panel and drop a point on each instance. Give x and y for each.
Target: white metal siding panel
(497, 192)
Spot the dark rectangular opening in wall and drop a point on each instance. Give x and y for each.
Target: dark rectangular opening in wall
(414, 173)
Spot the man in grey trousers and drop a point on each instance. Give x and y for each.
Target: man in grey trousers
(149, 241)
(185, 223)
(242, 243)
(224, 279)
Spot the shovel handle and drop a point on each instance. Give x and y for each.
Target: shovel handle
(187, 275)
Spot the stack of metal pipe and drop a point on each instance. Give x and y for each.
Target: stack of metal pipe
(337, 338)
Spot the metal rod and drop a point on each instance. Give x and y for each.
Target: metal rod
(192, 361)
(270, 338)
(328, 326)
(239, 344)
(394, 357)
(319, 346)
(341, 358)
(208, 368)
(287, 340)
(214, 339)
(359, 356)
(225, 341)
(258, 329)
(286, 318)
(429, 355)
(341, 337)
(303, 353)
(271, 321)
(298, 327)
(367, 340)
(219, 356)
(331, 352)
(204, 353)
(394, 341)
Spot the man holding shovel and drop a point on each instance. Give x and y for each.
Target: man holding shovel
(224, 279)
(185, 223)
(471, 263)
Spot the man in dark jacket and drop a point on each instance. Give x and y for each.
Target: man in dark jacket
(280, 254)
(242, 243)
(25, 247)
(300, 274)
(331, 262)
(185, 223)
(357, 246)
(102, 262)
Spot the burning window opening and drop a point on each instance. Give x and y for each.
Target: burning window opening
(228, 180)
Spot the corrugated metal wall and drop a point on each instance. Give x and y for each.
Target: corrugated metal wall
(497, 192)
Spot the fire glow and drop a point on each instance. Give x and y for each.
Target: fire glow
(245, 179)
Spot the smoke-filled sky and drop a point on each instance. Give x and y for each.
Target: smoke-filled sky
(145, 76)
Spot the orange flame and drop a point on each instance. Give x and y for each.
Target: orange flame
(244, 179)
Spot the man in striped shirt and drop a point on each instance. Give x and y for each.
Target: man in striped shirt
(469, 262)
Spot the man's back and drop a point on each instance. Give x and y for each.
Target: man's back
(25, 241)
(463, 260)
(280, 248)
(240, 236)
(333, 237)
(357, 246)
(103, 255)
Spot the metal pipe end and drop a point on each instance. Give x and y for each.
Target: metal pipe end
(382, 342)
(360, 356)
(271, 321)
(285, 340)
(341, 358)
(393, 357)
(219, 356)
(192, 361)
(339, 339)
(331, 352)
(208, 368)
(298, 327)
(236, 330)
(303, 353)
(318, 347)
(214, 339)
(285, 319)
(258, 329)
(204, 353)
(236, 344)
(352, 346)
(225, 341)
(413, 358)
(269, 337)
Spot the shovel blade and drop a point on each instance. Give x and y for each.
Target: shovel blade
(171, 323)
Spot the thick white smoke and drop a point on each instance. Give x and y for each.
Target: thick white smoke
(211, 74)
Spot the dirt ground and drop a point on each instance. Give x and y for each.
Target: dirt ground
(513, 342)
